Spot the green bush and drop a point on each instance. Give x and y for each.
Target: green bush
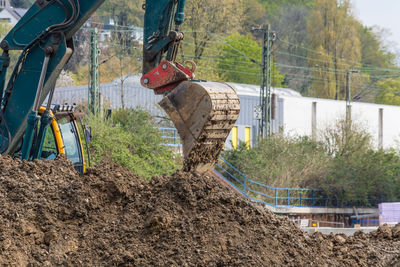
(343, 164)
(130, 138)
(280, 161)
(358, 174)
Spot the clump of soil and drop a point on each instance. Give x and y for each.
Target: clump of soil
(51, 216)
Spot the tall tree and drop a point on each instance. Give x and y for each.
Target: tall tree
(290, 26)
(378, 62)
(123, 12)
(334, 47)
(374, 52)
(389, 91)
(121, 59)
(205, 18)
(273, 6)
(254, 14)
(235, 63)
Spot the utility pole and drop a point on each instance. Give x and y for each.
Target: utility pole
(348, 93)
(93, 90)
(264, 123)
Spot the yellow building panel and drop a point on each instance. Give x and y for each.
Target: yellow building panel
(235, 137)
(247, 132)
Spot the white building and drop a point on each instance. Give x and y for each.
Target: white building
(12, 15)
(299, 116)
(4, 3)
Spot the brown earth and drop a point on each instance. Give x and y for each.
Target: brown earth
(51, 216)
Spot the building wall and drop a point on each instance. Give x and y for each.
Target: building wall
(298, 114)
(135, 96)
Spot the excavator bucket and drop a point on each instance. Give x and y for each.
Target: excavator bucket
(204, 114)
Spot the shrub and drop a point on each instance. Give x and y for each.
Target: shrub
(130, 138)
(281, 161)
(359, 174)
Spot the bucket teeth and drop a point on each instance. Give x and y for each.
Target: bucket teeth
(204, 114)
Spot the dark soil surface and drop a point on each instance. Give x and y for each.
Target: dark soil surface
(51, 216)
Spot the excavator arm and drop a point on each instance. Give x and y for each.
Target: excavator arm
(203, 112)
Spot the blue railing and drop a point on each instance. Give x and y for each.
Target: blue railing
(259, 192)
(170, 136)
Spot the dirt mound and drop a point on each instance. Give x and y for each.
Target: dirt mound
(51, 216)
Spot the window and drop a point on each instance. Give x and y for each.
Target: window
(49, 150)
(71, 145)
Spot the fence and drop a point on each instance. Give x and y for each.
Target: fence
(317, 223)
(285, 197)
(265, 194)
(170, 136)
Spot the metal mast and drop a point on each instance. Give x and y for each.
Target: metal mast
(93, 97)
(264, 122)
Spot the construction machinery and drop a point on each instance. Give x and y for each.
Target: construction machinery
(203, 112)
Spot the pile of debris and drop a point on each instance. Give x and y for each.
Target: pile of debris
(50, 215)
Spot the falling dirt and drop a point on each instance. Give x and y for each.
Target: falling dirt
(202, 158)
(51, 216)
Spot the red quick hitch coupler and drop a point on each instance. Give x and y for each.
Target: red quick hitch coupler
(167, 75)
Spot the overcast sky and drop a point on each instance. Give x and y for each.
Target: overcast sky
(384, 13)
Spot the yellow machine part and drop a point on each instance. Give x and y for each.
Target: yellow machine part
(80, 144)
(58, 136)
(204, 114)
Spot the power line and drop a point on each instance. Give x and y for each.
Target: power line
(373, 68)
(224, 52)
(232, 71)
(231, 40)
(330, 56)
(240, 60)
(237, 50)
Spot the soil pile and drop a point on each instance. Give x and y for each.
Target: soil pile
(51, 216)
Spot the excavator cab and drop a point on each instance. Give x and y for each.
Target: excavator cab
(63, 137)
